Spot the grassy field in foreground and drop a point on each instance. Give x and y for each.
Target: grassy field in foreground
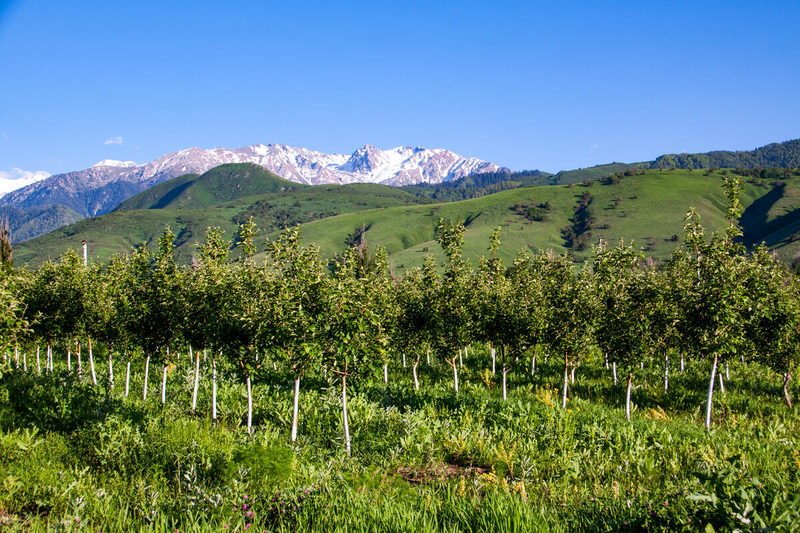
(74, 457)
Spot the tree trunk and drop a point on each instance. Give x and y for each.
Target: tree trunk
(214, 388)
(249, 406)
(505, 370)
(786, 377)
(711, 391)
(460, 360)
(16, 357)
(682, 363)
(404, 359)
(24, 361)
(606, 357)
(628, 397)
(572, 375)
(614, 370)
(414, 369)
(69, 360)
(296, 409)
(533, 364)
(91, 362)
(50, 357)
(110, 370)
(385, 374)
(566, 384)
(80, 366)
(721, 384)
(428, 355)
(493, 360)
(127, 377)
(455, 373)
(344, 415)
(727, 371)
(666, 372)
(196, 376)
(38, 364)
(146, 375)
(164, 380)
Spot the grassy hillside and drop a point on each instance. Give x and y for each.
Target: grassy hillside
(26, 222)
(648, 208)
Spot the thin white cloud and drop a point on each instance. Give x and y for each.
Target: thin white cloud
(594, 147)
(5, 137)
(113, 140)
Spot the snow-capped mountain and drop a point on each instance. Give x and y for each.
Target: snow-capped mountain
(18, 178)
(103, 186)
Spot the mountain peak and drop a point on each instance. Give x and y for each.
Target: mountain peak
(115, 163)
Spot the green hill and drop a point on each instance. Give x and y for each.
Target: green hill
(775, 155)
(647, 207)
(27, 222)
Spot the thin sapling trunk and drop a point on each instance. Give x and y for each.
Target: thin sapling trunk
(786, 377)
(455, 373)
(127, 377)
(91, 362)
(146, 375)
(344, 415)
(494, 358)
(614, 370)
(711, 391)
(110, 370)
(414, 370)
(628, 397)
(666, 372)
(721, 384)
(196, 377)
(249, 406)
(385, 374)
(214, 388)
(164, 380)
(38, 364)
(296, 408)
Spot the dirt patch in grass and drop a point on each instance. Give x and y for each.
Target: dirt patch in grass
(438, 472)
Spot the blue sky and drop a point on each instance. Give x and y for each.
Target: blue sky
(548, 85)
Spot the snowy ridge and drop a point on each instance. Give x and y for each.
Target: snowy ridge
(399, 166)
(18, 178)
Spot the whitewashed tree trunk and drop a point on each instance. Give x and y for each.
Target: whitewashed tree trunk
(214, 388)
(344, 415)
(16, 357)
(641, 365)
(69, 360)
(494, 360)
(385, 373)
(628, 397)
(91, 363)
(606, 357)
(24, 361)
(455, 374)
(721, 384)
(711, 391)
(533, 364)
(428, 355)
(146, 375)
(127, 378)
(50, 357)
(404, 359)
(614, 370)
(683, 366)
(164, 380)
(80, 365)
(110, 370)
(786, 377)
(666, 372)
(296, 408)
(460, 360)
(196, 377)
(414, 370)
(566, 384)
(572, 375)
(505, 373)
(249, 406)
(727, 371)
(38, 363)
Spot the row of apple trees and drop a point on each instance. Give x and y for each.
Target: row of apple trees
(713, 301)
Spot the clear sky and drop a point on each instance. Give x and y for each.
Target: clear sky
(549, 85)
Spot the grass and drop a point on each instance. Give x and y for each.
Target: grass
(426, 460)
